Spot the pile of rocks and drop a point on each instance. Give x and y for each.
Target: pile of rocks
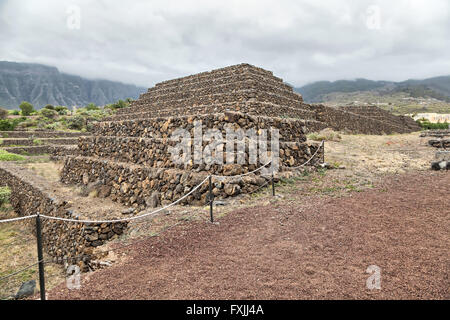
(440, 143)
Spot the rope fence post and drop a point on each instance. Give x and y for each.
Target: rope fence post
(40, 257)
(323, 151)
(273, 185)
(211, 199)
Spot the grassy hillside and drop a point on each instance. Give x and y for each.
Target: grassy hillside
(411, 96)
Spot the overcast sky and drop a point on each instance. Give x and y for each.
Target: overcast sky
(144, 42)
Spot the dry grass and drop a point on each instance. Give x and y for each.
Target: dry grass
(18, 250)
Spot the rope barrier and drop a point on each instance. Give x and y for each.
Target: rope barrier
(18, 219)
(240, 175)
(127, 219)
(19, 271)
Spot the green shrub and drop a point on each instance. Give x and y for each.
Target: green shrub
(6, 125)
(49, 113)
(5, 193)
(119, 104)
(62, 111)
(6, 156)
(49, 107)
(38, 142)
(3, 113)
(92, 106)
(425, 124)
(27, 108)
(14, 112)
(76, 122)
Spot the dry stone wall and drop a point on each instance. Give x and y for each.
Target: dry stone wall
(65, 242)
(343, 120)
(289, 129)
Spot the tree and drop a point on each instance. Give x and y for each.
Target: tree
(3, 113)
(26, 107)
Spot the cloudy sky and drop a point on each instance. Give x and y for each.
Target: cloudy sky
(144, 42)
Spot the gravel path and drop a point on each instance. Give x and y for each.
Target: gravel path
(311, 248)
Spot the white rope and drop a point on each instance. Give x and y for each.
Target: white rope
(127, 219)
(304, 164)
(17, 219)
(240, 175)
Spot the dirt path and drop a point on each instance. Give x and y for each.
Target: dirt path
(312, 247)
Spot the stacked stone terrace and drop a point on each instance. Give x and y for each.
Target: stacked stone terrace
(403, 124)
(40, 142)
(129, 152)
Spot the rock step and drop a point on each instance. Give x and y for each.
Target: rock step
(383, 115)
(439, 143)
(223, 98)
(289, 129)
(253, 108)
(240, 68)
(40, 134)
(29, 150)
(233, 80)
(157, 153)
(141, 187)
(36, 142)
(436, 133)
(339, 119)
(233, 87)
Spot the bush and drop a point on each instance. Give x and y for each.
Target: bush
(49, 107)
(6, 156)
(62, 111)
(76, 122)
(5, 193)
(3, 113)
(425, 124)
(92, 106)
(14, 112)
(326, 134)
(49, 113)
(119, 104)
(6, 125)
(26, 107)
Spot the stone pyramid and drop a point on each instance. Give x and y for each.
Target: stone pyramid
(128, 156)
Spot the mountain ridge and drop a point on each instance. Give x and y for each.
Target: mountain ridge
(436, 87)
(42, 84)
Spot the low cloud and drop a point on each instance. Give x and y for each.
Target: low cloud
(144, 42)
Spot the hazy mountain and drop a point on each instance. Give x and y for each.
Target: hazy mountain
(41, 85)
(438, 88)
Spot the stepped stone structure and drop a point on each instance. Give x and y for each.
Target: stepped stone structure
(129, 152)
(40, 142)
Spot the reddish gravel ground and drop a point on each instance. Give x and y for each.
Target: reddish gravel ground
(311, 248)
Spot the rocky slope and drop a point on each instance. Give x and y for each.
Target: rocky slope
(41, 85)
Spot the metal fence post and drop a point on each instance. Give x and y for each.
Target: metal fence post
(40, 256)
(211, 200)
(273, 185)
(323, 151)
